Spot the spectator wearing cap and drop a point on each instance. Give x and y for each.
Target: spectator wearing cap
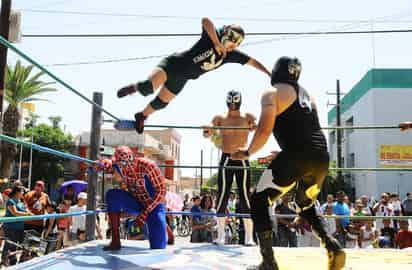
(36, 201)
(77, 224)
(18, 183)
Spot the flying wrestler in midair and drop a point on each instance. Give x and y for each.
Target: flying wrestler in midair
(214, 48)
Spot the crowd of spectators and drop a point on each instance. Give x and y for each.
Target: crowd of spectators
(17, 201)
(357, 232)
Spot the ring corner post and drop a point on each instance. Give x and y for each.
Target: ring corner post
(93, 155)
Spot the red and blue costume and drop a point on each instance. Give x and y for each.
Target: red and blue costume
(145, 197)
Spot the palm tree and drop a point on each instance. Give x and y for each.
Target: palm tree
(20, 87)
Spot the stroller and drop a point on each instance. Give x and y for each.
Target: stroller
(33, 246)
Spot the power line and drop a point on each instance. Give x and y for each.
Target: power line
(253, 43)
(141, 15)
(161, 35)
(107, 61)
(130, 59)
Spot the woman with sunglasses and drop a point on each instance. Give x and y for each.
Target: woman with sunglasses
(214, 48)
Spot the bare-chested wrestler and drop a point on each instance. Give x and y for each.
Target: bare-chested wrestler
(231, 141)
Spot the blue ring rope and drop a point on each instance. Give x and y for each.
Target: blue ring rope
(46, 149)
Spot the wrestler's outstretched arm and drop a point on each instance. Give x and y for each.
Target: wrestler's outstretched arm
(405, 126)
(259, 66)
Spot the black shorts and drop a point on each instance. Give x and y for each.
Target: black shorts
(288, 170)
(172, 65)
(288, 167)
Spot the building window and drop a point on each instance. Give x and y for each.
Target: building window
(349, 123)
(351, 160)
(332, 137)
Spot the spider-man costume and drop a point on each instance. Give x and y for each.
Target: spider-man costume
(145, 197)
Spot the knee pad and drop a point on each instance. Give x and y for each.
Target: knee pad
(158, 104)
(145, 87)
(306, 196)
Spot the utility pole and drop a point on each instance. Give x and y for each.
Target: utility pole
(4, 29)
(201, 170)
(339, 159)
(92, 175)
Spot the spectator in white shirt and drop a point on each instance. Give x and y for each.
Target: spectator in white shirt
(352, 237)
(330, 222)
(397, 208)
(383, 208)
(368, 235)
(329, 202)
(78, 223)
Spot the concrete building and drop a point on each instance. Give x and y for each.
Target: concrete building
(381, 97)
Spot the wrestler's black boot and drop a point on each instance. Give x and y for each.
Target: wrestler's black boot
(336, 255)
(127, 90)
(140, 118)
(265, 244)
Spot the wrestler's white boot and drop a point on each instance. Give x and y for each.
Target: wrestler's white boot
(221, 224)
(248, 225)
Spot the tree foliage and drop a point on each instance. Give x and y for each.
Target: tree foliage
(20, 86)
(47, 166)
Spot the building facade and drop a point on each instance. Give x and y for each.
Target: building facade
(163, 147)
(381, 97)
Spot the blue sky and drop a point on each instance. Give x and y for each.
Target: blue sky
(324, 58)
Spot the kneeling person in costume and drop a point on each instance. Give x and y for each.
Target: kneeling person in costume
(146, 190)
(215, 48)
(231, 141)
(290, 113)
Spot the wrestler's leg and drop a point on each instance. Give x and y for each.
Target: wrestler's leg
(268, 190)
(306, 195)
(167, 93)
(157, 227)
(224, 185)
(276, 180)
(145, 87)
(243, 183)
(119, 201)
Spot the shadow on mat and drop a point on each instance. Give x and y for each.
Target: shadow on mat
(93, 257)
(228, 250)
